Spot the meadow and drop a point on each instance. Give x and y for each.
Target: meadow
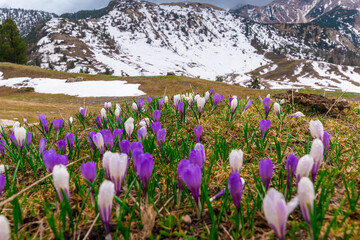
(189, 166)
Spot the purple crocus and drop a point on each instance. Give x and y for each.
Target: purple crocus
(141, 133)
(264, 126)
(105, 131)
(2, 149)
(266, 171)
(42, 146)
(197, 156)
(326, 142)
(2, 183)
(108, 141)
(70, 140)
(181, 108)
(91, 139)
(58, 123)
(51, 159)
(161, 134)
(62, 146)
(136, 154)
(28, 139)
(217, 99)
(118, 121)
(181, 166)
(149, 99)
(191, 176)
(155, 126)
(236, 189)
(248, 104)
(99, 142)
(211, 90)
(156, 115)
(198, 131)
(136, 145)
(98, 122)
(117, 133)
(82, 112)
(161, 103)
(144, 167)
(291, 164)
(266, 103)
(44, 122)
(88, 171)
(140, 103)
(125, 146)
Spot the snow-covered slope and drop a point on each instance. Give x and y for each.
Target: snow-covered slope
(24, 19)
(143, 39)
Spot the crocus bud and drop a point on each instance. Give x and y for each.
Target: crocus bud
(140, 103)
(217, 99)
(161, 103)
(236, 189)
(264, 126)
(62, 146)
(28, 139)
(108, 141)
(236, 160)
(181, 108)
(176, 100)
(156, 115)
(106, 162)
(99, 142)
(291, 165)
(135, 107)
(306, 195)
(105, 201)
(144, 167)
(70, 140)
(200, 105)
(304, 167)
(58, 123)
(61, 181)
(181, 166)
(141, 133)
(316, 129)
(317, 153)
(268, 96)
(155, 126)
(207, 95)
(266, 171)
(25, 122)
(88, 171)
(297, 114)
(149, 99)
(71, 120)
(233, 105)
(42, 145)
(198, 132)
(191, 176)
(2, 183)
(51, 159)
(326, 142)
(103, 114)
(248, 104)
(99, 122)
(277, 109)
(166, 100)
(117, 112)
(266, 103)
(125, 146)
(90, 137)
(129, 126)
(5, 232)
(44, 122)
(118, 169)
(20, 136)
(277, 211)
(197, 156)
(160, 135)
(82, 112)
(282, 101)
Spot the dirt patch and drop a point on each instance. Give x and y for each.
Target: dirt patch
(319, 103)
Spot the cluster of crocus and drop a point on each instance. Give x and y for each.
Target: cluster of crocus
(61, 181)
(52, 159)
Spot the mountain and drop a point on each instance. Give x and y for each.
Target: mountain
(132, 38)
(26, 20)
(293, 11)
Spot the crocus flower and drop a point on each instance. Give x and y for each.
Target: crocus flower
(42, 146)
(129, 127)
(155, 126)
(51, 159)
(25, 122)
(2, 149)
(2, 183)
(161, 103)
(144, 167)
(233, 105)
(326, 142)
(88, 171)
(13, 139)
(317, 153)
(282, 101)
(141, 133)
(136, 154)
(28, 139)
(106, 162)
(144, 122)
(98, 122)
(117, 133)
(99, 142)
(217, 99)
(236, 160)
(149, 99)
(108, 141)
(198, 131)
(2, 168)
(156, 115)
(105, 131)
(161, 134)
(118, 121)
(219, 194)
(266, 103)
(105, 201)
(118, 169)
(20, 136)
(266, 171)
(200, 105)
(236, 189)
(277, 211)
(306, 195)
(211, 90)
(166, 100)
(62, 146)
(316, 129)
(181, 108)
(91, 139)
(117, 112)
(82, 112)
(16, 125)
(5, 231)
(291, 165)
(107, 105)
(135, 108)
(70, 140)
(248, 104)
(44, 122)
(176, 101)
(103, 114)
(191, 176)
(297, 114)
(140, 104)
(57, 123)
(264, 126)
(207, 95)
(304, 167)
(71, 121)
(61, 181)
(277, 109)
(181, 166)
(125, 146)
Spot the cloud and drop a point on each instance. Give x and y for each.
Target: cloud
(62, 6)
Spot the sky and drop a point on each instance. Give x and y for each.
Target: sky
(62, 6)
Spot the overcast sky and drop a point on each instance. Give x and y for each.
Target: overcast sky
(62, 6)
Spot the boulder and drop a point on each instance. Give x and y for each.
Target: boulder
(77, 79)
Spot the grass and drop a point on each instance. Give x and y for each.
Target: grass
(37, 212)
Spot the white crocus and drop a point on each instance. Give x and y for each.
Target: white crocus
(316, 129)
(5, 232)
(236, 160)
(129, 126)
(103, 113)
(207, 95)
(277, 108)
(61, 181)
(304, 167)
(117, 112)
(233, 106)
(135, 107)
(166, 99)
(20, 135)
(306, 195)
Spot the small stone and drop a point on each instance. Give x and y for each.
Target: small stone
(186, 219)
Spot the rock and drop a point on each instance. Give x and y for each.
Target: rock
(318, 102)
(170, 74)
(77, 79)
(186, 219)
